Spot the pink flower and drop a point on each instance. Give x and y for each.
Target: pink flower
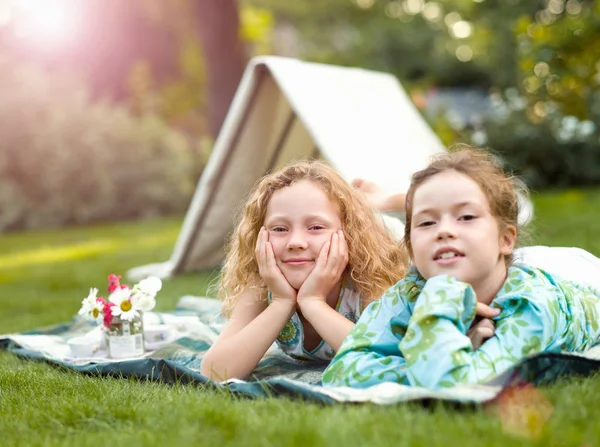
(113, 282)
(108, 313)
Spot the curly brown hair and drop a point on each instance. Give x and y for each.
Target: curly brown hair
(484, 168)
(376, 260)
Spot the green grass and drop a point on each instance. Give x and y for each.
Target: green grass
(44, 276)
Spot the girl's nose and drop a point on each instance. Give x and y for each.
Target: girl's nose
(296, 241)
(446, 229)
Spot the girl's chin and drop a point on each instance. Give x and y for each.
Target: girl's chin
(296, 282)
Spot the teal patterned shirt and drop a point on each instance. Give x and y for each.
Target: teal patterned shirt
(416, 333)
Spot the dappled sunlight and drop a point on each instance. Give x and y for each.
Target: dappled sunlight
(50, 254)
(45, 22)
(63, 253)
(571, 196)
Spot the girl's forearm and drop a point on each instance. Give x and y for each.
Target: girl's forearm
(395, 202)
(237, 355)
(329, 324)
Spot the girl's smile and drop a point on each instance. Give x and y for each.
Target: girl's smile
(447, 255)
(297, 261)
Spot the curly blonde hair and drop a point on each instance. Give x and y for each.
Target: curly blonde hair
(376, 260)
(484, 168)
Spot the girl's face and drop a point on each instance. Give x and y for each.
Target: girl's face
(300, 219)
(453, 232)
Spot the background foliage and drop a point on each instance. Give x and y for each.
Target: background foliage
(67, 159)
(537, 59)
(139, 89)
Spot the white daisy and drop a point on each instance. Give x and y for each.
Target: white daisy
(88, 303)
(143, 301)
(150, 286)
(98, 311)
(123, 307)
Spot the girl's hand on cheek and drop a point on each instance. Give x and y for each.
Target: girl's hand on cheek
(328, 270)
(269, 271)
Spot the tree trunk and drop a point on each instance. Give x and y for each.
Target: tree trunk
(225, 55)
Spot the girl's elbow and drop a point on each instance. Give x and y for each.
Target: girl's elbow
(206, 367)
(211, 368)
(218, 372)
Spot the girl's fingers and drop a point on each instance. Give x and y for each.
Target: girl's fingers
(270, 256)
(262, 251)
(486, 333)
(343, 250)
(258, 243)
(257, 250)
(487, 325)
(343, 244)
(337, 253)
(324, 255)
(480, 336)
(486, 311)
(334, 249)
(263, 246)
(480, 332)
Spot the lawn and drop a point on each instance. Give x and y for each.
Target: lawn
(44, 276)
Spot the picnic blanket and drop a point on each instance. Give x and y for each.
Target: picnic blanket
(198, 322)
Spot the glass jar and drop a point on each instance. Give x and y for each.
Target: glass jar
(125, 338)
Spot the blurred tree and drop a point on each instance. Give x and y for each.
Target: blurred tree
(558, 51)
(409, 38)
(187, 56)
(218, 26)
(441, 42)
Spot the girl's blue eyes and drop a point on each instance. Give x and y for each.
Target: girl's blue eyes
(464, 217)
(283, 229)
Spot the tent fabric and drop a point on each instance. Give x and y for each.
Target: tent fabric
(360, 121)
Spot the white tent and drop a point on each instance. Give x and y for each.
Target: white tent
(361, 122)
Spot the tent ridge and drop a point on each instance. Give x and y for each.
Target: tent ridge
(216, 178)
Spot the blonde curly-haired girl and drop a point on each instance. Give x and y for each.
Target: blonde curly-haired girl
(307, 255)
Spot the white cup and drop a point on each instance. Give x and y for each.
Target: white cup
(158, 333)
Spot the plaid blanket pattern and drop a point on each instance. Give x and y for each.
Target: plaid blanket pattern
(199, 322)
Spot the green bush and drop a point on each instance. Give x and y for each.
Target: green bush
(556, 151)
(66, 159)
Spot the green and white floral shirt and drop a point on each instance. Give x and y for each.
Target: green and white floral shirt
(291, 337)
(416, 333)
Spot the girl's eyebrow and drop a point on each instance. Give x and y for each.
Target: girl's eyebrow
(465, 203)
(469, 203)
(308, 217)
(276, 218)
(317, 217)
(423, 211)
(458, 205)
